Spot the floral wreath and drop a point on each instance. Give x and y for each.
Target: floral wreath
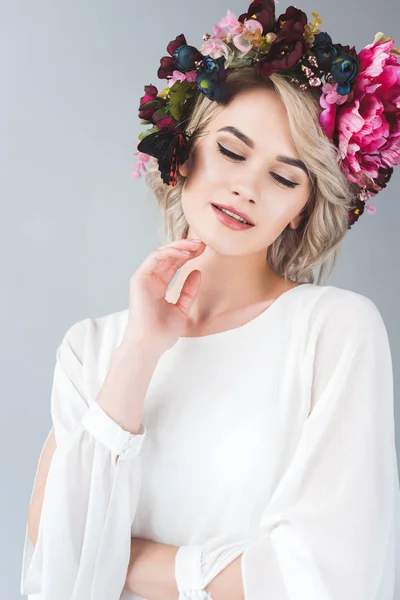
(358, 92)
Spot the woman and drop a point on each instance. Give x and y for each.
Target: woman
(230, 435)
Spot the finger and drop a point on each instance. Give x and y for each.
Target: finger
(193, 249)
(164, 264)
(189, 291)
(184, 244)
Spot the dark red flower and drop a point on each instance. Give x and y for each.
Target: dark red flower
(291, 25)
(149, 103)
(289, 45)
(152, 108)
(281, 57)
(355, 212)
(381, 181)
(264, 12)
(163, 121)
(167, 64)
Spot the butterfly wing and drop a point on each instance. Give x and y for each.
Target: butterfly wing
(170, 149)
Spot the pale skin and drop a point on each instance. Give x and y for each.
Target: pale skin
(236, 282)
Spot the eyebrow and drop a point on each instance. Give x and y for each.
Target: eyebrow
(289, 160)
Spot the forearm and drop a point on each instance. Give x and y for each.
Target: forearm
(151, 574)
(151, 571)
(124, 389)
(121, 397)
(228, 584)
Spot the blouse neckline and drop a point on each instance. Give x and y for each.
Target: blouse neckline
(246, 326)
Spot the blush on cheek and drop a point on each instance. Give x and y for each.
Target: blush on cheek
(274, 224)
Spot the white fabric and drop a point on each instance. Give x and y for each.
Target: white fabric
(274, 440)
(90, 499)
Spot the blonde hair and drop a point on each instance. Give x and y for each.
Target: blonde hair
(296, 252)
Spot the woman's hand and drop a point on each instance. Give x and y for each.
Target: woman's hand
(152, 320)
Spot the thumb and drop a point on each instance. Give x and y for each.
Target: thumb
(189, 291)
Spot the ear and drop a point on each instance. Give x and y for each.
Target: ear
(294, 223)
(184, 169)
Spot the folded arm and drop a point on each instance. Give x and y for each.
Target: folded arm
(331, 528)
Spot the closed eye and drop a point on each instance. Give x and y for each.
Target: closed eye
(233, 156)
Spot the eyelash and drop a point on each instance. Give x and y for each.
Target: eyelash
(230, 154)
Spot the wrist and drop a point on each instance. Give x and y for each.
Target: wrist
(123, 392)
(133, 348)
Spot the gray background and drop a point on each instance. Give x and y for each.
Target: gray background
(75, 226)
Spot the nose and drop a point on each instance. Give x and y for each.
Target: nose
(246, 186)
(236, 193)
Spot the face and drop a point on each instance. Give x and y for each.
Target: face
(224, 169)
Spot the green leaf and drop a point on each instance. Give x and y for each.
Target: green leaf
(178, 94)
(160, 114)
(152, 104)
(143, 134)
(239, 61)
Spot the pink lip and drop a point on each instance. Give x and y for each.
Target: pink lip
(230, 222)
(236, 211)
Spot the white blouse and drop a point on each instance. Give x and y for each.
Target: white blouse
(274, 440)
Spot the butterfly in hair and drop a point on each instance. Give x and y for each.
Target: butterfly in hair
(170, 148)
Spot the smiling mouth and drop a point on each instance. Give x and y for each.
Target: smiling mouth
(233, 215)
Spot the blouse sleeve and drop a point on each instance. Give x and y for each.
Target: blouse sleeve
(90, 499)
(331, 530)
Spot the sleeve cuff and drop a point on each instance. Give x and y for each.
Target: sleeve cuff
(195, 595)
(123, 443)
(189, 573)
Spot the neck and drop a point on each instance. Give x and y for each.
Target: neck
(228, 283)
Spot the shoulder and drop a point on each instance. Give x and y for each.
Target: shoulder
(347, 342)
(90, 342)
(99, 331)
(345, 314)
(339, 303)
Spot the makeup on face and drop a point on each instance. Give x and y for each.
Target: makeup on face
(288, 160)
(230, 221)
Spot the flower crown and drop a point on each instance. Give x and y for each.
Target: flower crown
(358, 92)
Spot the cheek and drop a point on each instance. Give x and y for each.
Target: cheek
(202, 172)
(281, 206)
(214, 169)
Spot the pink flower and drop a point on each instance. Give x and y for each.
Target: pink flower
(327, 117)
(231, 22)
(179, 76)
(139, 164)
(252, 31)
(215, 48)
(368, 125)
(331, 96)
(218, 32)
(242, 34)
